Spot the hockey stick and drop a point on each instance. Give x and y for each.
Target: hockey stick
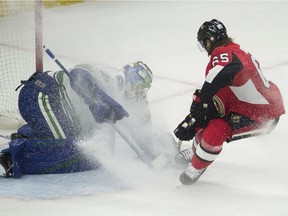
(133, 146)
(52, 56)
(5, 137)
(157, 163)
(179, 143)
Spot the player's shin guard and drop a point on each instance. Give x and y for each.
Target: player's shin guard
(210, 146)
(203, 157)
(213, 137)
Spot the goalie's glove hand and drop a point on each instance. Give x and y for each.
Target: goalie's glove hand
(198, 109)
(186, 129)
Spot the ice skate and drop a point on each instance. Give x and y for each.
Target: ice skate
(3, 172)
(184, 157)
(191, 175)
(5, 165)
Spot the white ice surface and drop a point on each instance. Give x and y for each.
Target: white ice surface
(248, 178)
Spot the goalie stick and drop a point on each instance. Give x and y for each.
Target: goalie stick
(52, 56)
(158, 163)
(132, 145)
(5, 137)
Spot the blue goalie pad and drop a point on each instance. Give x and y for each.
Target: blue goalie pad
(41, 105)
(102, 106)
(25, 131)
(48, 157)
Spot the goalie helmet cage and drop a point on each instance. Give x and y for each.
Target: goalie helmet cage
(20, 53)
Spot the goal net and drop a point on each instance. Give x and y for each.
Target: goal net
(17, 53)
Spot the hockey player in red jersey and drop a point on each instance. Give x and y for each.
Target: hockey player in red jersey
(235, 101)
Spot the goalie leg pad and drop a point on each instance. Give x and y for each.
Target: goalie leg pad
(48, 157)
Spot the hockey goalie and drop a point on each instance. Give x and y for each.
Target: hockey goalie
(60, 111)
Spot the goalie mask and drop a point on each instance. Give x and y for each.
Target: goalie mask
(138, 79)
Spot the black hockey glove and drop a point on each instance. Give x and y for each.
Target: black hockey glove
(186, 129)
(198, 109)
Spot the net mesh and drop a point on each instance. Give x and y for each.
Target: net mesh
(17, 53)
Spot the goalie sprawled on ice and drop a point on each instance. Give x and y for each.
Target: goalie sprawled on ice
(61, 111)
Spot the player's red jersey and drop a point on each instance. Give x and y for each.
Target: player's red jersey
(237, 80)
